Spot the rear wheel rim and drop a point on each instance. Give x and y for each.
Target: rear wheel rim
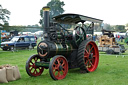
(31, 68)
(91, 56)
(58, 68)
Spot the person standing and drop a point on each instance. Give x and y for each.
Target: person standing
(118, 38)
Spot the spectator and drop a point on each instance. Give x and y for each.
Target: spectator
(121, 38)
(11, 36)
(94, 38)
(118, 38)
(21, 40)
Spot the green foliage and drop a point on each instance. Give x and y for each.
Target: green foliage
(120, 28)
(56, 8)
(97, 28)
(12, 28)
(32, 28)
(108, 27)
(29, 28)
(4, 15)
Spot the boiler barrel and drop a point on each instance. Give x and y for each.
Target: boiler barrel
(63, 49)
(50, 49)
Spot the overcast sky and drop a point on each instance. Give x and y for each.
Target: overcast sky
(27, 12)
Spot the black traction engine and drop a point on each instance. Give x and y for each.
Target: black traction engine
(64, 46)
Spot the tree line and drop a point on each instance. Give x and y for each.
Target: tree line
(117, 28)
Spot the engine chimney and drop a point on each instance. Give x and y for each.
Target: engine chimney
(46, 21)
(46, 17)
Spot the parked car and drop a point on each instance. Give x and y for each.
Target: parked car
(19, 42)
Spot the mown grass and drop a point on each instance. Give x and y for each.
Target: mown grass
(110, 71)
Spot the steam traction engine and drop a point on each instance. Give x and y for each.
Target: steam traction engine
(62, 48)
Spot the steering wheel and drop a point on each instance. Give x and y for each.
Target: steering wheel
(79, 35)
(91, 25)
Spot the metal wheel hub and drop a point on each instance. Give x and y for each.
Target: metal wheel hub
(34, 66)
(91, 56)
(60, 68)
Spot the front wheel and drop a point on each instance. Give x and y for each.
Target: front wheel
(58, 67)
(12, 48)
(110, 51)
(5, 49)
(31, 68)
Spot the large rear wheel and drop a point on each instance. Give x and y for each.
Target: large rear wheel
(58, 67)
(88, 56)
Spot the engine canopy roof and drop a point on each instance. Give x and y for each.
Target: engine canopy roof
(74, 18)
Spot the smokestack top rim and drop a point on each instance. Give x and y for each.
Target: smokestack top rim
(46, 8)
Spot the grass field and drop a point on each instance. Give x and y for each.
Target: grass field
(110, 71)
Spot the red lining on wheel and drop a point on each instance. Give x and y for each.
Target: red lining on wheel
(57, 73)
(33, 69)
(91, 56)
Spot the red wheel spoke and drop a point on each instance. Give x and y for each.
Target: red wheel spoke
(55, 67)
(91, 63)
(87, 66)
(58, 67)
(64, 67)
(91, 49)
(86, 54)
(63, 63)
(86, 62)
(34, 71)
(54, 72)
(63, 71)
(31, 62)
(36, 59)
(86, 51)
(30, 65)
(59, 73)
(58, 61)
(31, 68)
(40, 68)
